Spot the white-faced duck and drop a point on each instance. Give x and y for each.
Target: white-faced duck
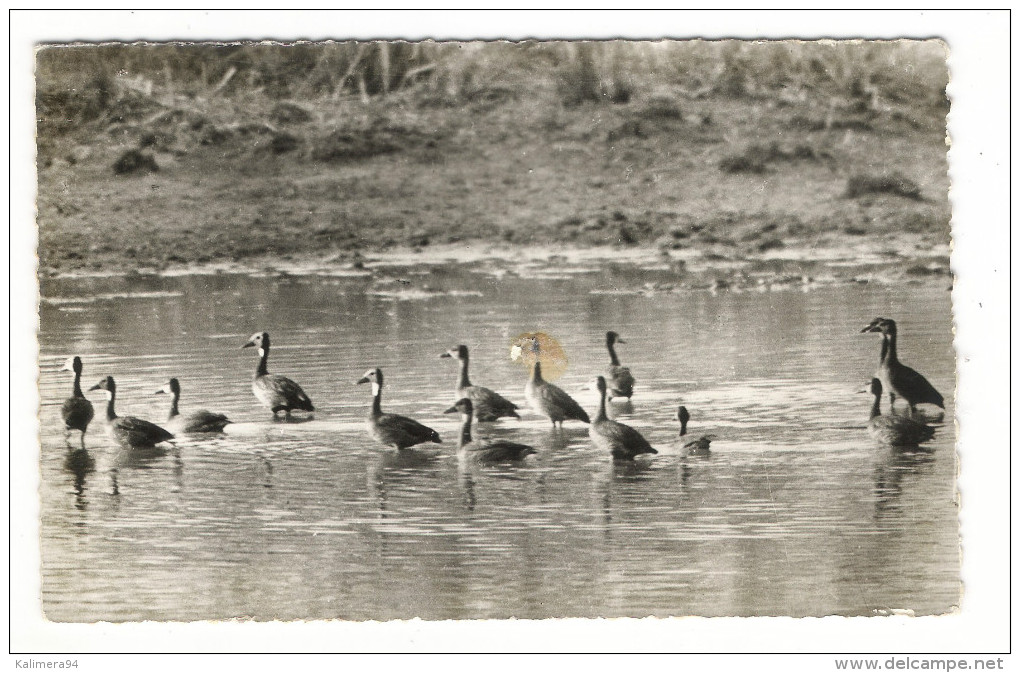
(76, 411)
(400, 432)
(488, 450)
(276, 393)
(897, 378)
(201, 421)
(622, 441)
(894, 430)
(543, 397)
(488, 405)
(129, 431)
(618, 378)
(698, 447)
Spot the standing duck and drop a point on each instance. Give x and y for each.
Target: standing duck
(391, 429)
(622, 441)
(196, 421)
(894, 430)
(700, 446)
(129, 431)
(545, 398)
(485, 451)
(618, 378)
(488, 405)
(275, 392)
(897, 378)
(77, 411)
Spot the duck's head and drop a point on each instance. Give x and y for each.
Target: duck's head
(463, 407)
(258, 340)
(460, 352)
(872, 388)
(614, 338)
(106, 384)
(373, 376)
(525, 345)
(682, 415)
(172, 387)
(599, 384)
(872, 326)
(883, 325)
(72, 365)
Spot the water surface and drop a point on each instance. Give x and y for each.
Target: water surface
(796, 512)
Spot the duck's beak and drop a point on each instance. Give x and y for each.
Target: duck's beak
(363, 379)
(452, 410)
(98, 386)
(159, 392)
(445, 355)
(620, 340)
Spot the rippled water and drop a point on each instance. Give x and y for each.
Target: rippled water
(796, 512)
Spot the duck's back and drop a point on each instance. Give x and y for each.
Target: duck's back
(620, 380)
(622, 441)
(400, 431)
(201, 421)
(77, 413)
(912, 386)
(497, 451)
(279, 392)
(488, 404)
(136, 432)
(899, 430)
(551, 401)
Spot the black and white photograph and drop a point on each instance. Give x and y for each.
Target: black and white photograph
(375, 330)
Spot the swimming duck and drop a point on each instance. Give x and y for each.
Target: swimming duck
(275, 392)
(489, 405)
(391, 429)
(897, 378)
(545, 398)
(618, 378)
(622, 441)
(77, 411)
(129, 431)
(488, 451)
(698, 447)
(196, 421)
(894, 430)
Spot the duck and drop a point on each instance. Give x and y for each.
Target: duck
(196, 421)
(545, 398)
(129, 431)
(399, 432)
(485, 451)
(897, 378)
(698, 447)
(622, 441)
(277, 393)
(76, 411)
(894, 430)
(489, 406)
(618, 378)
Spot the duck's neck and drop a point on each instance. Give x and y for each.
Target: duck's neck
(262, 368)
(111, 396)
(615, 361)
(77, 385)
(885, 349)
(890, 355)
(465, 429)
(536, 372)
(462, 380)
(683, 427)
(173, 406)
(875, 407)
(376, 399)
(601, 415)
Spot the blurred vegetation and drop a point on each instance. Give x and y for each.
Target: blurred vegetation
(78, 84)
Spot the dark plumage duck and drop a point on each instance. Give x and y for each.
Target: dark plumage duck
(698, 447)
(129, 431)
(897, 378)
(196, 421)
(618, 377)
(485, 451)
(489, 405)
(543, 397)
(275, 392)
(622, 441)
(894, 430)
(76, 411)
(390, 429)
